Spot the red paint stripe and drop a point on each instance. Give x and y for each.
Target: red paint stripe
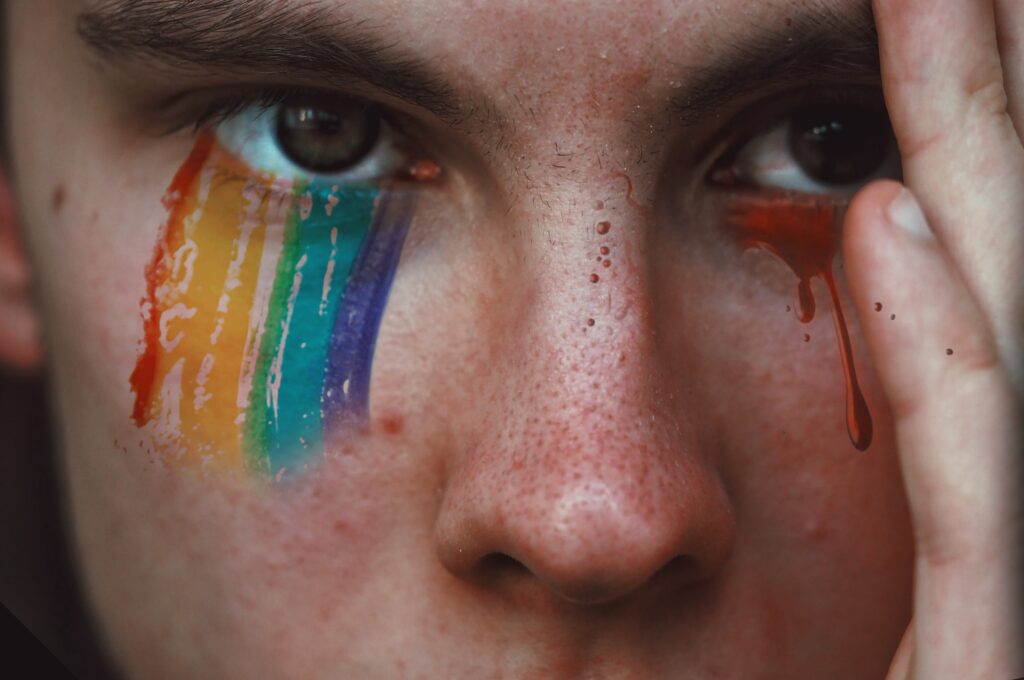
(156, 272)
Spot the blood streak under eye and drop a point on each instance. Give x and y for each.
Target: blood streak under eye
(804, 235)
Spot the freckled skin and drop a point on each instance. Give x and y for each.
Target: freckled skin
(669, 492)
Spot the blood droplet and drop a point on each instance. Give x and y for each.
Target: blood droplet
(604, 227)
(605, 250)
(606, 263)
(590, 322)
(594, 278)
(804, 235)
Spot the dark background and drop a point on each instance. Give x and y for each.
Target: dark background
(37, 578)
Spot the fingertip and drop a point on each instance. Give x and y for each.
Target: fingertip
(865, 226)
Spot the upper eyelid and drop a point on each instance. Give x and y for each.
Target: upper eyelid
(740, 128)
(203, 108)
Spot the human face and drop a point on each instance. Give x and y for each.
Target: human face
(595, 441)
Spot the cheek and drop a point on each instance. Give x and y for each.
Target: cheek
(771, 398)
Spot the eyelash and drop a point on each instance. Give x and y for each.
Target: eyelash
(218, 110)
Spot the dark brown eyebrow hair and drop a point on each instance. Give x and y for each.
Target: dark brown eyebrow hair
(817, 43)
(263, 37)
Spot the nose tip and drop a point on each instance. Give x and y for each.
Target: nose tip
(590, 542)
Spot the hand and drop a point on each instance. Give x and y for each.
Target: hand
(945, 254)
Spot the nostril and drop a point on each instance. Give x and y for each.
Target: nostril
(497, 563)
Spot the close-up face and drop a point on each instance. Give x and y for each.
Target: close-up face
(464, 339)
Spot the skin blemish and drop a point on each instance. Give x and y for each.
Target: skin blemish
(424, 171)
(599, 205)
(892, 317)
(949, 351)
(807, 337)
(605, 250)
(57, 201)
(263, 301)
(604, 227)
(878, 306)
(590, 322)
(392, 424)
(594, 278)
(805, 235)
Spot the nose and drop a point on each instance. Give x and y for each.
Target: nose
(589, 477)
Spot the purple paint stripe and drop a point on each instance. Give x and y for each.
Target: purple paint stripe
(354, 338)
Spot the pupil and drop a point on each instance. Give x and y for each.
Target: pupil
(837, 146)
(326, 138)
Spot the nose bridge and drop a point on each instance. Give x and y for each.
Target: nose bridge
(582, 472)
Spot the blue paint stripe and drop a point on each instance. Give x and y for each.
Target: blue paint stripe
(294, 438)
(354, 338)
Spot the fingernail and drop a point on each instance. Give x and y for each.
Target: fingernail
(905, 213)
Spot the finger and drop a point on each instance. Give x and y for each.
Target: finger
(956, 433)
(962, 157)
(899, 669)
(1010, 36)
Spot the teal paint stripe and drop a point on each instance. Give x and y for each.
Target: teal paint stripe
(294, 431)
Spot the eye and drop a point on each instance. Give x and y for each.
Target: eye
(821, 148)
(345, 141)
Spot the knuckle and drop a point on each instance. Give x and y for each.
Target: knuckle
(985, 94)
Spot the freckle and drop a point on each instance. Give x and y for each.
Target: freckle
(878, 306)
(948, 351)
(807, 337)
(590, 322)
(892, 317)
(605, 250)
(606, 263)
(604, 227)
(599, 205)
(58, 198)
(392, 424)
(594, 278)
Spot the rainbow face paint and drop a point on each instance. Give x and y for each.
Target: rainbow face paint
(264, 298)
(805, 235)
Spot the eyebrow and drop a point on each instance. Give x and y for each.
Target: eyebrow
(265, 37)
(817, 43)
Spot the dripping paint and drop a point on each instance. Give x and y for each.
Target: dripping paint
(805, 235)
(263, 302)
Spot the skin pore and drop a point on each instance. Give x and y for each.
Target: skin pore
(597, 441)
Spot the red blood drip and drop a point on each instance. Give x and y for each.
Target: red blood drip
(145, 368)
(629, 193)
(603, 227)
(594, 278)
(805, 237)
(605, 250)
